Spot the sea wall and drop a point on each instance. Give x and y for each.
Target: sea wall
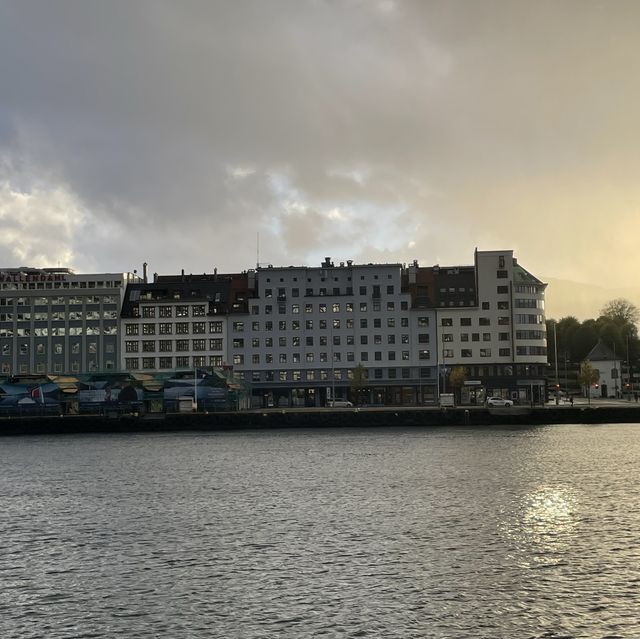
(349, 418)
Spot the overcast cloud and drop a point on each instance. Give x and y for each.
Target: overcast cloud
(175, 132)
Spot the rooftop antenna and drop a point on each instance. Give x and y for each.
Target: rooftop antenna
(258, 249)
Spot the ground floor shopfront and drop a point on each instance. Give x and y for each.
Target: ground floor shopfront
(370, 395)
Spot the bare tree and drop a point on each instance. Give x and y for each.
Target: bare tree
(622, 311)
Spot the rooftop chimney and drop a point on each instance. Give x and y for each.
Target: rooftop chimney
(144, 272)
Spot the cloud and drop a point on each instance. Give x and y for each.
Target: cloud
(175, 133)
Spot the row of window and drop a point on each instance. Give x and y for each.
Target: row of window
(169, 345)
(475, 337)
(32, 286)
(448, 353)
(41, 367)
(350, 356)
(169, 328)
(336, 374)
(324, 308)
(323, 291)
(482, 321)
(181, 361)
(58, 316)
(56, 349)
(58, 300)
(323, 340)
(59, 331)
(180, 310)
(349, 323)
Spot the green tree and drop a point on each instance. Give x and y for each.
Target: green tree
(588, 376)
(358, 383)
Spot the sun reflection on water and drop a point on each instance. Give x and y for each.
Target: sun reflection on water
(542, 523)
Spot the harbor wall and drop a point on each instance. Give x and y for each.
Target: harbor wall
(349, 418)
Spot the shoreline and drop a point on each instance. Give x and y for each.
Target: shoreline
(318, 418)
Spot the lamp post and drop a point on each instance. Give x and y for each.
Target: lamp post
(566, 376)
(555, 348)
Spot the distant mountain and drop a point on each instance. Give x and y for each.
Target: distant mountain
(583, 301)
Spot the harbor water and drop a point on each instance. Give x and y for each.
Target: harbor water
(383, 533)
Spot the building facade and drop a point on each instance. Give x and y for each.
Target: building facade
(54, 321)
(380, 334)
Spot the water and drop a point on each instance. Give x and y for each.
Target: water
(436, 533)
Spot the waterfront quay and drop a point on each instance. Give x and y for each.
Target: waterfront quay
(598, 412)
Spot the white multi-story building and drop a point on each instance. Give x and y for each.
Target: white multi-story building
(176, 322)
(309, 328)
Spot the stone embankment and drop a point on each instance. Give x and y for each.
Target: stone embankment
(320, 418)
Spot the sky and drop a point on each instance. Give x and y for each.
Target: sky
(202, 134)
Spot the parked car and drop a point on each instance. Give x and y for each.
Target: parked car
(498, 401)
(339, 403)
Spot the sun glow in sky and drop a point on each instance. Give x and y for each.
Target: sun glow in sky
(174, 133)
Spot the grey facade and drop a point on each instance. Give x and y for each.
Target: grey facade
(54, 321)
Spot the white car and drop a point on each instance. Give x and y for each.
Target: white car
(338, 403)
(498, 401)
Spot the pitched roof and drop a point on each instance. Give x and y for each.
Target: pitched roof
(601, 353)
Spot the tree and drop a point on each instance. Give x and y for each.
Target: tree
(457, 378)
(359, 382)
(622, 312)
(588, 376)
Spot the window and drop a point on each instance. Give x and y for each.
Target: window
(466, 352)
(464, 337)
(166, 362)
(504, 337)
(182, 311)
(336, 307)
(165, 329)
(322, 308)
(425, 354)
(485, 352)
(502, 274)
(503, 321)
(215, 344)
(405, 355)
(148, 329)
(295, 308)
(165, 311)
(486, 337)
(423, 338)
(148, 311)
(131, 329)
(166, 346)
(364, 339)
(148, 346)
(363, 307)
(182, 361)
(182, 328)
(215, 327)
(129, 347)
(447, 337)
(131, 363)
(148, 362)
(504, 352)
(198, 328)
(447, 352)
(446, 321)
(363, 290)
(238, 359)
(484, 321)
(238, 327)
(503, 306)
(199, 345)
(182, 344)
(465, 321)
(503, 290)
(475, 337)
